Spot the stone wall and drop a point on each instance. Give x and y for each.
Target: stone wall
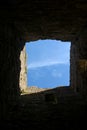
(9, 68)
(22, 21)
(23, 72)
(79, 63)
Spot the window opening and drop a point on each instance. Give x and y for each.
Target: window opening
(48, 63)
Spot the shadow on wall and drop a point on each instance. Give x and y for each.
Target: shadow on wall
(54, 108)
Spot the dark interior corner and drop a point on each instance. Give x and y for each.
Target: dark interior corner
(22, 21)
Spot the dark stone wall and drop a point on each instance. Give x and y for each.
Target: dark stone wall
(79, 63)
(9, 68)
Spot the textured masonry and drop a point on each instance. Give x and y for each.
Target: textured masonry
(22, 21)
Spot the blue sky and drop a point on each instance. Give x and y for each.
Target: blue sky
(48, 57)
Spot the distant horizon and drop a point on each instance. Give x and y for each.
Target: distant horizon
(59, 78)
(48, 63)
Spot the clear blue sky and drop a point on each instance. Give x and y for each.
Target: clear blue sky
(48, 63)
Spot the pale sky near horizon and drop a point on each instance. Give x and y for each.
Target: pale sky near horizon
(47, 53)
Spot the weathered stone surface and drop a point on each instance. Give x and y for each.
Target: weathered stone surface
(23, 72)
